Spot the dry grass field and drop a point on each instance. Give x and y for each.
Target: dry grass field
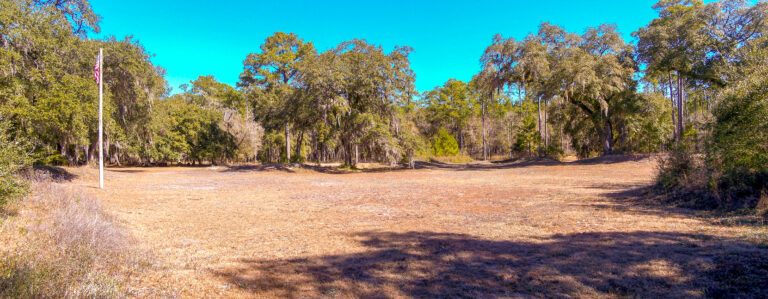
(483, 230)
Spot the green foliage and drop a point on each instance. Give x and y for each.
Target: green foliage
(444, 144)
(740, 133)
(729, 67)
(46, 83)
(13, 157)
(554, 151)
(185, 131)
(350, 97)
(449, 106)
(527, 139)
(648, 126)
(738, 152)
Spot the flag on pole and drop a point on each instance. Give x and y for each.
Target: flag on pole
(97, 71)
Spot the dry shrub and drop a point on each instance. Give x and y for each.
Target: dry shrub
(70, 248)
(683, 177)
(79, 222)
(762, 204)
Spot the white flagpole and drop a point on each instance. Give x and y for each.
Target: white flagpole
(101, 131)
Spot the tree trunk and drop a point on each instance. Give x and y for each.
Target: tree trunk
(680, 106)
(356, 155)
(106, 147)
(287, 143)
(607, 137)
(485, 146)
(63, 149)
(539, 107)
(672, 101)
(299, 141)
(348, 154)
(546, 126)
(511, 146)
(695, 119)
(93, 150)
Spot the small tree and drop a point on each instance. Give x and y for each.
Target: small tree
(445, 144)
(528, 138)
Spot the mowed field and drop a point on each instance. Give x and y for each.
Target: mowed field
(546, 229)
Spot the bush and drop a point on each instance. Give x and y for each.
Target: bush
(738, 153)
(445, 144)
(684, 179)
(733, 174)
(12, 159)
(527, 139)
(554, 151)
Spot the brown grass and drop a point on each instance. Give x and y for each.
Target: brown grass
(63, 244)
(486, 230)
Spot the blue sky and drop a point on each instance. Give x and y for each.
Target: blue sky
(200, 37)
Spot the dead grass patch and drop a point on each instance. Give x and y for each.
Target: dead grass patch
(64, 244)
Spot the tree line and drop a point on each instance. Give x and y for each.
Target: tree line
(693, 84)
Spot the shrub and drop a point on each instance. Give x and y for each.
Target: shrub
(738, 153)
(12, 159)
(554, 151)
(683, 177)
(527, 139)
(445, 144)
(733, 174)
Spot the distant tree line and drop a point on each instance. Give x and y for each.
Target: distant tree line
(694, 84)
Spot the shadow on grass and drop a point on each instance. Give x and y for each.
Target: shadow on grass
(114, 169)
(646, 199)
(440, 265)
(291, 168)
(496, 165)
(611, 159)
(58, 174)
(472, 166)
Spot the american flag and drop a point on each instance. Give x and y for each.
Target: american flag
(97, 71)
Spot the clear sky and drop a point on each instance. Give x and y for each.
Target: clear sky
(201, 37)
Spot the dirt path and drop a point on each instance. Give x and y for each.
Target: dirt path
(495, 230)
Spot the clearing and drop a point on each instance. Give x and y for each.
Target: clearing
(479, 230)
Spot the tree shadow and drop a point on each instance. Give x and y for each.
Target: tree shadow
(646, 199)
(112, 169)
(445, 265)
(495, 165)
(291, 168)
(611, 159)
(260, 167)
(436, 165)
(54, 173)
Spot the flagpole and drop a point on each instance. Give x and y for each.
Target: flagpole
(101, 130)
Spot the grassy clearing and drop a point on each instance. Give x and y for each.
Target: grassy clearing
(507, 229)
(62, 243)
